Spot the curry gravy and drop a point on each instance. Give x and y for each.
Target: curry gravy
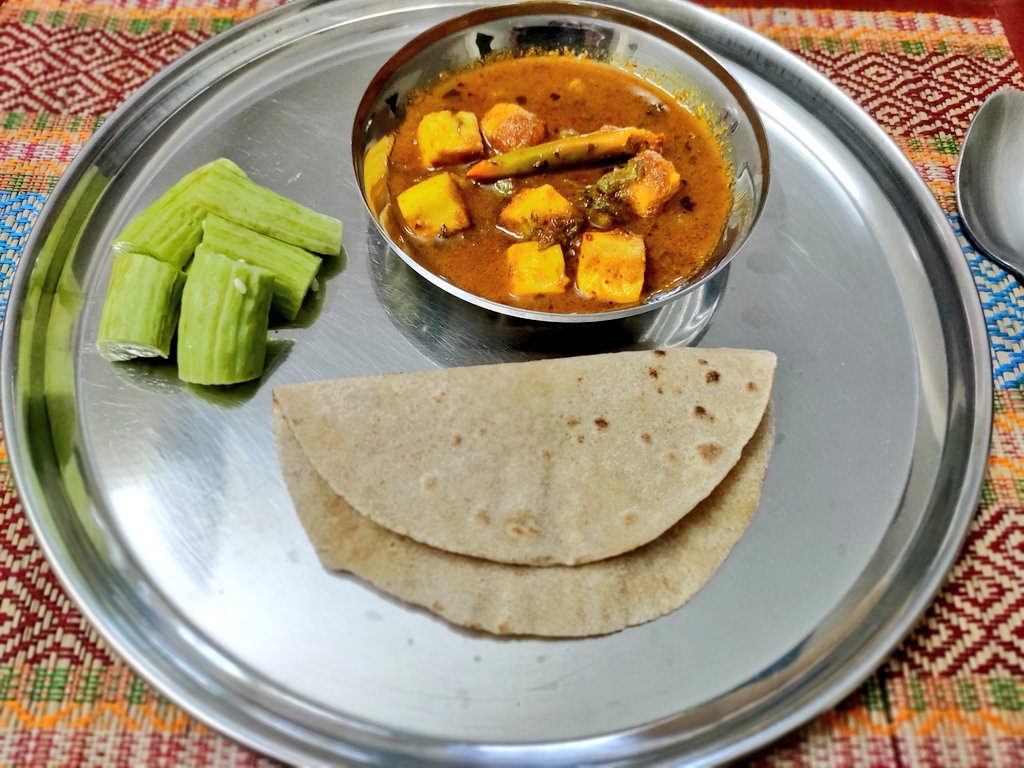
(578, 95)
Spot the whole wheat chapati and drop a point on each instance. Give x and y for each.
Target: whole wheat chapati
(555, 601)
(561, 461)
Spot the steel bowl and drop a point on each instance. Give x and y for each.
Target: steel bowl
(630, 41)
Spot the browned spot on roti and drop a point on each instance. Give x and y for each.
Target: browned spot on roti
(701, 361)
(646, 437)
(702, 413)
(580, 439)
(629, 519)
(456, 439)
(712, 377)
(660, 353)
(601, 422)
(503, 628)
(522, 525)
(710, 451)
(437, 605)
(546, 455)
(752, 386)
(483, 517)
(572, 421)
(652, 372)
(661, 390)
(429, 482)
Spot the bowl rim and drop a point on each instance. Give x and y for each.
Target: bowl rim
(587, 9)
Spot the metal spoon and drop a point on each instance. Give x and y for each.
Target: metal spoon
(990, 180)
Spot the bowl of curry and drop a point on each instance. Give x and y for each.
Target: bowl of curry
(560, 161)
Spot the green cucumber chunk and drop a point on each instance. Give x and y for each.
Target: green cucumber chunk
(140, 311)
(225, 313)
(294, 268)
(243, 201)
(171, 226)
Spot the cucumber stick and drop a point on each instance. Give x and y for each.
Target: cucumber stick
(225, 310)
(171, 226)
(141, 309)
(294, 268)
(209, 257)
(243, 201)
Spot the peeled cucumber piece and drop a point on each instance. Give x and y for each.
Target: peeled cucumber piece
(140, 312)
(294, 268)
(171, 226)
(243, 201)
(225, 313)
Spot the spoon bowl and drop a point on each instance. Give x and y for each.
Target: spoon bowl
(990, 180)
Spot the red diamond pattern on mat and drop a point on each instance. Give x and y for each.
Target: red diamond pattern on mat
(923, 97)
(976, 624)
(938, 751)
(33, 602)
(123, 741)
(68, 71)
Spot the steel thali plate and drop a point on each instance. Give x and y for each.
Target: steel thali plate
(163, 512)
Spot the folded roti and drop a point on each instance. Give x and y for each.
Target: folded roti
(562, 461)
(555, 601)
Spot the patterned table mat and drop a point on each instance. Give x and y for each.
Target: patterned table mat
(952, 695)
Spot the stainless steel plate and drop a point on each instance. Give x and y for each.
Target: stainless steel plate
(163, 512)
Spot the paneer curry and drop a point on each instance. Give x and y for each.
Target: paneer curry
(552, 182)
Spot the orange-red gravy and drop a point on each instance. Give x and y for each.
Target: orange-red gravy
(580, 95)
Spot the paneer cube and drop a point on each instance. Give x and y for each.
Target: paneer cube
(509, 126)
(611, 266)
(534, 269)
(537, 210)
(434, 207)
(656, 181)
(447, 138)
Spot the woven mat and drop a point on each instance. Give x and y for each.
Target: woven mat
(952, 695)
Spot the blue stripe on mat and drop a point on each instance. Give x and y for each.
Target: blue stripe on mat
(1002, 299)
(18, 212)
